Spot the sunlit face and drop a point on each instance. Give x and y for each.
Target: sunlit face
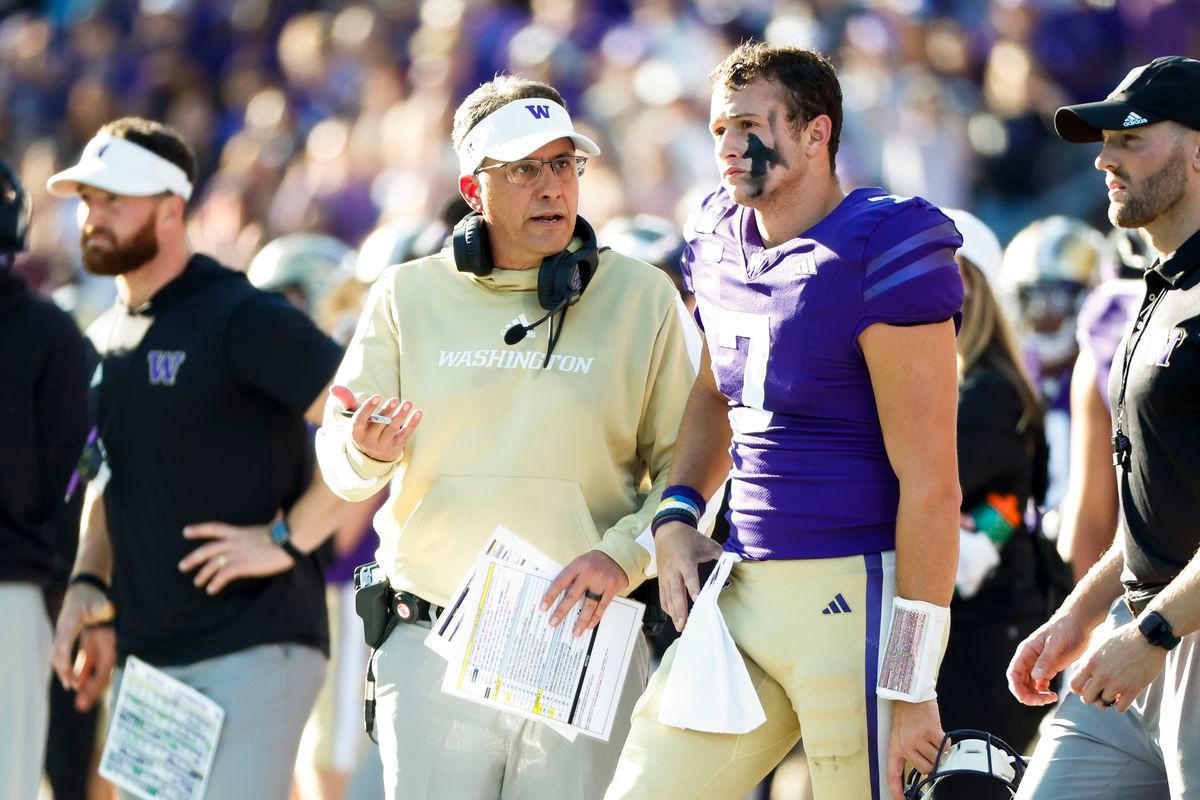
(757, 151)
(1146, 172)
(118, 232)
(527, 222)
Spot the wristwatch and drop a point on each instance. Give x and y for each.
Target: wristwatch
(1157, 631)
(281, 536)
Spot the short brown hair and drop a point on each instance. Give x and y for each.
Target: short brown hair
(494, 95)
(810, 84)
(160, 139)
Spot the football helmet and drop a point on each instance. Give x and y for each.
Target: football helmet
(1130, 255)
(1046, 272)
(15, 208)
(969, 752)
(303, 267)
(386, 245)
(645, 237)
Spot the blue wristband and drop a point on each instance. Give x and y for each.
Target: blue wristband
(686, 492)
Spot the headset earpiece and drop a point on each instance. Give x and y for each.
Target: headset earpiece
(472, 253)
(565, 275)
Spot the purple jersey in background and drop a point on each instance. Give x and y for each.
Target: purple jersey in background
(1103, 320)
(811, 477)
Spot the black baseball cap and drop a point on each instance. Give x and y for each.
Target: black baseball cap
(1165, 89)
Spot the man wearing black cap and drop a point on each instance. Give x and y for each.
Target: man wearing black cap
(1131, 732)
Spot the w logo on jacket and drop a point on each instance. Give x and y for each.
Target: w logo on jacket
(164, 366)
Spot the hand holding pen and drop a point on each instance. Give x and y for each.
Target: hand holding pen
(381, 428)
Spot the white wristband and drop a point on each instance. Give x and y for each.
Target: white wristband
(916, 640)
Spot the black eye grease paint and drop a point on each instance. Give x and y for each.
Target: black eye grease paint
(761, 158)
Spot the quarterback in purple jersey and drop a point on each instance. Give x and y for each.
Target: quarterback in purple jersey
(827, 392)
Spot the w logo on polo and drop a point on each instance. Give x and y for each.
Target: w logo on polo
(164, 366)
(539, 112)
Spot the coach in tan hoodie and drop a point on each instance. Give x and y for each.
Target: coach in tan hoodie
(553, 436)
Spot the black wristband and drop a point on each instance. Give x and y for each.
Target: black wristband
(91, 579)
(292, 550)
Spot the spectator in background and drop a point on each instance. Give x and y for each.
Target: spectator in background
(1002, 468)
(43, 424)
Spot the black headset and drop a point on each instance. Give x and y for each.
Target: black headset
(562, 277)
(15, 208)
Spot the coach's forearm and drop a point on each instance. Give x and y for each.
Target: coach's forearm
(927, 539)
(95, 549)
(317, 515)
(1091, 598)
(1179, 603)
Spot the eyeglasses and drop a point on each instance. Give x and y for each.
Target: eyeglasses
(528, 170)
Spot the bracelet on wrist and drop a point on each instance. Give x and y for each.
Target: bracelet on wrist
(673, 515)
(91, 579)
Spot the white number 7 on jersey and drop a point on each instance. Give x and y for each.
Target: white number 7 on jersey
(756, 328)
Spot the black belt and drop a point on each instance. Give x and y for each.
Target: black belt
(409, 608)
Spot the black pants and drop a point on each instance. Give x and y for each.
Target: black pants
(973, 693)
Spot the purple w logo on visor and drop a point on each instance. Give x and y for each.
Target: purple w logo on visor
(539, 112)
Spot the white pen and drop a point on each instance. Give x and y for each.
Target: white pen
(380, 418)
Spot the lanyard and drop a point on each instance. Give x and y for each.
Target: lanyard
(1121, 445)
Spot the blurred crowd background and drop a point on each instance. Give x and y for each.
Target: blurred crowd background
(334, 117)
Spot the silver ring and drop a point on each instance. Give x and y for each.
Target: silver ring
(1107, 703)
(590, 595)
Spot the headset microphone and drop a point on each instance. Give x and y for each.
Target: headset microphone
(515, 334)
(518, 332)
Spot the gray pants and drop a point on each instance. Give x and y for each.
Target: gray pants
(267, 693)
(437, 746)
(1150, 752)
(24, 689)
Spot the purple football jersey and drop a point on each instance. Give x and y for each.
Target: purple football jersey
(1105, 316)
(811, 476)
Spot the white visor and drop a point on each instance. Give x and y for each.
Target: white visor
(117, 165)
(516, 130)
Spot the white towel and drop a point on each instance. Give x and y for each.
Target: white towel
(709, 688)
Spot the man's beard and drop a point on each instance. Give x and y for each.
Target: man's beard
(123, 256)
(1159, 194)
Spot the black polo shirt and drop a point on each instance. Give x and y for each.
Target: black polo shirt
(1160, 487)
(200, 399)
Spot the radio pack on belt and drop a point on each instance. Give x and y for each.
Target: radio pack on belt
(372, 600)
(381, 609)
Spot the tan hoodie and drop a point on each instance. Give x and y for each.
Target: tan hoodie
(558, 455)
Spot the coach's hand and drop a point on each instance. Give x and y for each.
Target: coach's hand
(593, 576)
(88, 671)
(679, 549)
(1118, 668)
(916, 735)
(233, 552)
(1045, 653)
(375, 439)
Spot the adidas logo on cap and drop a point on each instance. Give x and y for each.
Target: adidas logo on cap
(1135, 118)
